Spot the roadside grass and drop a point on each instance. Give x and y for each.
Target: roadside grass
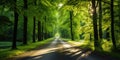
(4, 45)
(8, 53)
(106, 46)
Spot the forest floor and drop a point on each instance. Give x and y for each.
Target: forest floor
(61, 50)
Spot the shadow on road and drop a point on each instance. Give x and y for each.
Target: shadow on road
(73, 53)
(60, 50)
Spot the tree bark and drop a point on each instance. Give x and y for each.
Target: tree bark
(96, 42)
(42, 30)
(34, 26)
(25, 24)
(14, 46)
(39, 31)
(112, 24)
(100, 19)
(25, 30)
(100, 23)
(71, 27)
(45, 35)
(119, 13)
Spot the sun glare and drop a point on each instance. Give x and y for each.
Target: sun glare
(60, 5)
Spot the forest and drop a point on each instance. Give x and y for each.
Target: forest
(26, 24)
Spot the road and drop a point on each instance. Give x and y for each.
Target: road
(60, 50)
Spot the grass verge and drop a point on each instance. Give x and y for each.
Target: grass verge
(8, 53)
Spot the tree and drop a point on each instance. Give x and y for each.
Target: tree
(34, 26)
(25, 23)
(39, 31)
(71, 22)
(45, 27)
(112, 24)
(119, 12)
(15, 26)
(100, 19)
(96, 42)
(42, 30)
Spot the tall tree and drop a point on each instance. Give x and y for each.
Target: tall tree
(45, 30)
(39, 31)
(15, 26)
(25, 23)
(100, 19)
(96, 42)
(34, 26)
(42, 30)
(119, 12)
(71, 27)
(112, 24)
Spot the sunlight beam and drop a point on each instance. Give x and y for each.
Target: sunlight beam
(60, 5)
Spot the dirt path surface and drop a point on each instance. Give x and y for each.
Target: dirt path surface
(60, 50)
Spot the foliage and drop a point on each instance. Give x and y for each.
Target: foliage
(54, 16)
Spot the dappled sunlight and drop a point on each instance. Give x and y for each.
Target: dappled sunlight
(44, 51)
(60, 5)
(106, 45)
(73, 51)
(78, 43)
(59, 50)
(77, 53)
(84, 55)
(65, 45)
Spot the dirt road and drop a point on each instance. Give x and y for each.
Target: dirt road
(60, 50)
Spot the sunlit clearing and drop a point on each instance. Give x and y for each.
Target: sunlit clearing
(57, 35)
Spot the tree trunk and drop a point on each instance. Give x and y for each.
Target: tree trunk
(96, 42)
(25, 24)
(119, 13)
(71, 28)
(100, 23)
(25, 30)
(39, 31)
(100, 19)
(112, 24)
(42, 30)
(45, 35)
(15, 27)
(34, 26)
